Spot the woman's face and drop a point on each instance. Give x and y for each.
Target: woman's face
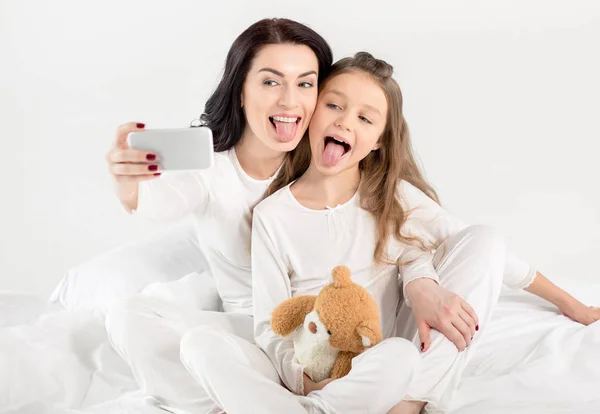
(349, 119)
(279, 95)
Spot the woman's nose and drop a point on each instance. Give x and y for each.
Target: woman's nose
(288, 98)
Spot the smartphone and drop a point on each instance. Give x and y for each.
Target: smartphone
(177, 149)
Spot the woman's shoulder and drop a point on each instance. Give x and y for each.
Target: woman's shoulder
(222, 167)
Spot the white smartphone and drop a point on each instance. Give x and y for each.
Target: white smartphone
(177, 149)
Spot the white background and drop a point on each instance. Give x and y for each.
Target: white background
(502, 98)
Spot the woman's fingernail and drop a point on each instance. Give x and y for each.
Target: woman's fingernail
(157, 174)
(140, 125)
(476, 327)
(150, 157)
(153, 167)
(422, 346)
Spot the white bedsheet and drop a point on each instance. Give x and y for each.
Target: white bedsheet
(55, 358)
(532, 360)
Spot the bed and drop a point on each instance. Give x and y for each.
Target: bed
(55, 357)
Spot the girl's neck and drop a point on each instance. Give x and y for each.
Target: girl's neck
(317, 190)
(256, 159)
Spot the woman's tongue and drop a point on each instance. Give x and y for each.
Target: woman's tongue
(332, 153)
(286, 131)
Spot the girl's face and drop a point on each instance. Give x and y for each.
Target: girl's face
(279, 95)
(349, 119)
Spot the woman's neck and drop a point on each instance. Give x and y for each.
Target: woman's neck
(317, 190)
(256, 159)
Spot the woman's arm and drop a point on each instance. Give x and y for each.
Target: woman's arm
(172, 196)
(270, 287)
(566, 303)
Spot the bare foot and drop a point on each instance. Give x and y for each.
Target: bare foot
(407, 407)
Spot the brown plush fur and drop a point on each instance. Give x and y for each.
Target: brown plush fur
(344, 307)
(342, 365)
(290, 314)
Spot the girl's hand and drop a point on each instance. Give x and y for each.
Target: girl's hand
(310, 385)
(435, 307)
(128, 167)
(577, 311)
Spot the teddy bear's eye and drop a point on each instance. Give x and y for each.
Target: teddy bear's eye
(328, 332)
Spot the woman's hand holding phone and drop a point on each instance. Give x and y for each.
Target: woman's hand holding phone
(128, 166)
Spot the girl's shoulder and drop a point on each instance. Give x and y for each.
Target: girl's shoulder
(275, 202)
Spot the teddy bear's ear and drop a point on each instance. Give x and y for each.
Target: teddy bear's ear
(290, 314)
(369, 332)
(341, 276)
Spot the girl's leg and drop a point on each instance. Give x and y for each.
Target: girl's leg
(146, 332)
(241, 379)
(378, 379)
(470, 264)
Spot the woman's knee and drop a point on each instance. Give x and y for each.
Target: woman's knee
(127, 327)
(202, 348)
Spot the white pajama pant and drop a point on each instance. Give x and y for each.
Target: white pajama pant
(470, 264)
(241, 379)
(146, 331)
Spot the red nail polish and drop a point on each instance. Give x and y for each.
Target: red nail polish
(422, 346)
(150, 157)
(476, 327)
(140, 125)
(157, 174)
(153, 167)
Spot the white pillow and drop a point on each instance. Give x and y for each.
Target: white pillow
(165, 257)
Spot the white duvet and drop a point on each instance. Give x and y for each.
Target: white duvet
(532, 361)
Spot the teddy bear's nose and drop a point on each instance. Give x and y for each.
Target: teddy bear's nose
(312, 327)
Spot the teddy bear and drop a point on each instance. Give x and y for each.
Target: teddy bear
(329, 329)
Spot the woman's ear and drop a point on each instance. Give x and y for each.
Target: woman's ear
(290, 314)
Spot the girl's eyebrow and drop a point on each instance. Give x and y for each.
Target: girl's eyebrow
(343, 96)
(278, 73)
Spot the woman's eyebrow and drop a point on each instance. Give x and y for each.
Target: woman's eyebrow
(278, 73)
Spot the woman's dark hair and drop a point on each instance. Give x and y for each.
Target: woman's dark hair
(223, 113)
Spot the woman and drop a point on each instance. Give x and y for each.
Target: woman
(258, 114)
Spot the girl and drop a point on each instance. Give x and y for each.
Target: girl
(258, 113)
(361, 201)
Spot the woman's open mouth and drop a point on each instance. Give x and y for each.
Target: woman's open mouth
(285, 127)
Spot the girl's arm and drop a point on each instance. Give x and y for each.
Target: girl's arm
(566, 303)
(270, 287)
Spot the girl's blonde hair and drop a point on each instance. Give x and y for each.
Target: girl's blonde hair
(381, 170)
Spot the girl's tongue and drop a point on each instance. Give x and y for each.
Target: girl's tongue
(286, 131)
(332, 153)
